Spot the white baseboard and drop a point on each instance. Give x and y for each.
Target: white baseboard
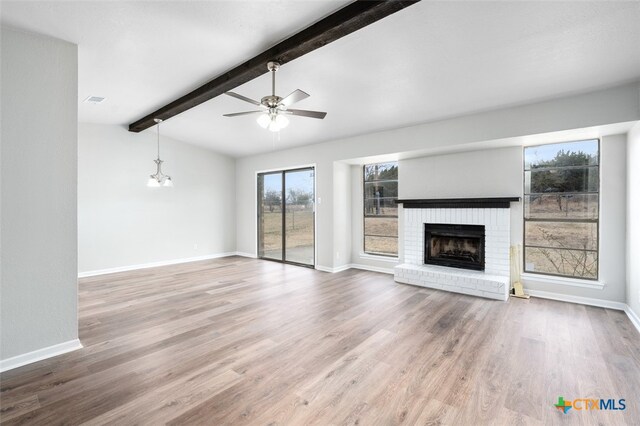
(243, 254)
(372, 268)
(379, 258)
(155, 264)
(633, 317)
(39, 355)
(577, 299)
(354, 266)
(332, 270)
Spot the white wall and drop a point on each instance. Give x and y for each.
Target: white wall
(633, 219)
(39, 151)
(122, 222)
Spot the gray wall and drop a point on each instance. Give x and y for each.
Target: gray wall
(358, 256)
(501, 128)
(498, 172)
(39, 187)
(613, 206)
(488, 173)
(124, 223)
(633, 219)
(342, 214)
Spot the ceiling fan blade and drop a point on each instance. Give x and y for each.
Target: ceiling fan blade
(243, 98)
(306, 113)
(295, 96)
(236, 114)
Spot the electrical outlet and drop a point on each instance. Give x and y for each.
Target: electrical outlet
(195, 247)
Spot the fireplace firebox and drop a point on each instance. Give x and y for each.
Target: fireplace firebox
(457, 246)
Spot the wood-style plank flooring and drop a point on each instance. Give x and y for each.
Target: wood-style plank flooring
(242, 341)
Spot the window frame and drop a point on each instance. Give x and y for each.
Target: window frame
(551, 220)
(365, 216)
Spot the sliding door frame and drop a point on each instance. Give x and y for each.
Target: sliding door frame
(315, 210)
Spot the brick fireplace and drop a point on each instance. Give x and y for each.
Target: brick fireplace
(458, 245)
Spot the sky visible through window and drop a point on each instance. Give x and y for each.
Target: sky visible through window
(297, 181)
(537, 154)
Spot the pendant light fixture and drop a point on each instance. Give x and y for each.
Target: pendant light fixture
(159, 179)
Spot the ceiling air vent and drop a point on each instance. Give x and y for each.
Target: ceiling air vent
(94, 99)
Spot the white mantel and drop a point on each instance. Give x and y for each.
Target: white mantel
(493, 282)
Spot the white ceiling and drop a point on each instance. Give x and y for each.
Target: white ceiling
(430, 61)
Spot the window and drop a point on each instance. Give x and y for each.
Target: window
(561, 204)
(380, 209)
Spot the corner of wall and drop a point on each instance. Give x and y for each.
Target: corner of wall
(341, 214)
(39, 85)
(633, 212)
(201, 208)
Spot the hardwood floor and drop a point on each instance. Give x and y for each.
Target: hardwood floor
(243, 341)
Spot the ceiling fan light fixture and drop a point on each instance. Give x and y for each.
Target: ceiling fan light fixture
(264, 120)
(273, 126)
(274, 108)
(273, 121)
(281, 121)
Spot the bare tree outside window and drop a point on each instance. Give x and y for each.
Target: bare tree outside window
(380, 208)
(272, 200)
(561, 209)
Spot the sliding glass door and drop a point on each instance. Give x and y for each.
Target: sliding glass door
(286, 216)
(270, 208)
(299, 217)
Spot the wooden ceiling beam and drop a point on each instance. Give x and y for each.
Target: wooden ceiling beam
(345, 21)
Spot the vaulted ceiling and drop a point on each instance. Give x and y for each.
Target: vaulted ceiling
(430, 61)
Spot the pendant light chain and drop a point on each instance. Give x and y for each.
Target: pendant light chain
(158, 138)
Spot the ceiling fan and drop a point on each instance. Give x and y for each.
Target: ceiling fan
(274, 109)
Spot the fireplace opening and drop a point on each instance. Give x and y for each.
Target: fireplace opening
(458, 246)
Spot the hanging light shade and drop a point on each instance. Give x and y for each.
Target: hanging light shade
(159, 179)
(281, 121)
(264, 120)
(273, 120)
(153, 182)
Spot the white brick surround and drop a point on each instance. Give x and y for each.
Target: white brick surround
(493, 282)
